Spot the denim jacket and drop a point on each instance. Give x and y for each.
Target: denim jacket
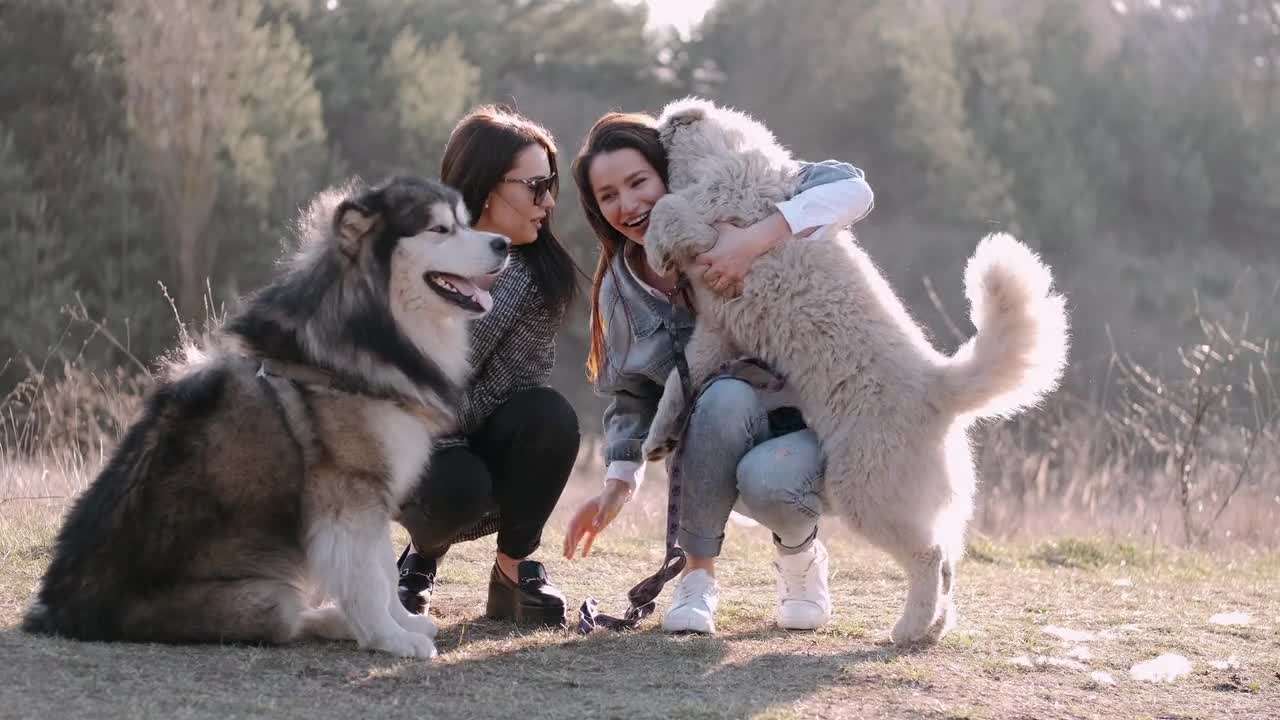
(638, 326)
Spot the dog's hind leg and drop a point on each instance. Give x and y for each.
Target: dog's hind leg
(946, 620)
(326, 623)
(904, 529)
(952, 532)
(249, 610)
(339, 551)
(923, 564)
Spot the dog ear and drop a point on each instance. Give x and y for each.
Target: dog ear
(687, 115)
(352, 222)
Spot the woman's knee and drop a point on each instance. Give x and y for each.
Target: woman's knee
(782, 471)
(730, 409)
(544, 418)
(455, 491)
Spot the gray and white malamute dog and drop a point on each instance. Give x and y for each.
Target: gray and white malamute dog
(264, 470)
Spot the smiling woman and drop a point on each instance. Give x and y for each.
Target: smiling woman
(504, 471)
(746, 444)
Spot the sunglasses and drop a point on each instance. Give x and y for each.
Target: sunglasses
(539, 186)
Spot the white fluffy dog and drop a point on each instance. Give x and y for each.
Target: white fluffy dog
(891, 411)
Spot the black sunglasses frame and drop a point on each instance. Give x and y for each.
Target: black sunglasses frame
(539, 186)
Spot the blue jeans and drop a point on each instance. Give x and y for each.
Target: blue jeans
(730, 454)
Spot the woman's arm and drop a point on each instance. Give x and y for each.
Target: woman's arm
(829, 192)
(626, 423)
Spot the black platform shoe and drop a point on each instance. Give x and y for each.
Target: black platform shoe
(531, 601)
(417, 580)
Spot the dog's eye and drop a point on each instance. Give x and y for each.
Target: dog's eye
(438, 229)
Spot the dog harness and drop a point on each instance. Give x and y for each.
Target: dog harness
(426, 411)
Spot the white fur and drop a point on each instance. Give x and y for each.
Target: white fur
(406, 446)
(352, 558)
(891, 411)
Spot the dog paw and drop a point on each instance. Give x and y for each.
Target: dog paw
(659, 449)
(420, 624)
(406, 645)
(908, 631)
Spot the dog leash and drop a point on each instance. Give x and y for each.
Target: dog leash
(642, 597)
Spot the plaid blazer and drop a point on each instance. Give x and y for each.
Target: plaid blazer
(512, 349)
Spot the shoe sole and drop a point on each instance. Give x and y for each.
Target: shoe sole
(672, 630)
(803, 624)
(530, 615)
(688, 631)
(500, 607)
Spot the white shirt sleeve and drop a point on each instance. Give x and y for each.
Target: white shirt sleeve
(843, 202)
(629, 472)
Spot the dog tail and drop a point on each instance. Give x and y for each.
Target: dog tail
(1019, 353)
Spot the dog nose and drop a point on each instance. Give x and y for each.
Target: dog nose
(500, 244)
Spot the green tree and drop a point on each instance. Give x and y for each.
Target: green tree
(434, 87)
(198, 85)
(39, 279)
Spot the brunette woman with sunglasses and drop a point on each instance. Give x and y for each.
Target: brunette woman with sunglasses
(518, 440)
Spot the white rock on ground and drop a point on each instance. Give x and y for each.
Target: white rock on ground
(1102, 678)
(1166, 668)
(1080, 652)
(1231, 618)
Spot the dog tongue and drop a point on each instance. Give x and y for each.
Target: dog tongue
(468, 287)
(485, 282)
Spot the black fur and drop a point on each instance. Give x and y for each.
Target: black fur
(80, 593)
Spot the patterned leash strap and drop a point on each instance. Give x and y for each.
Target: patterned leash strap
(643, 596)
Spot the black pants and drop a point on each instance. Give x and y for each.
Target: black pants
(517, 464)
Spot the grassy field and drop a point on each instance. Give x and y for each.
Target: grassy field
(1047, 630)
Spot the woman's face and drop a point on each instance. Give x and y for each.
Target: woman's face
(625, 187)
(519, 204)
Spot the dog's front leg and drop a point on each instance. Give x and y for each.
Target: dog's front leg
(420, 624)
(705, 352)
(677, 232)
(664, 430)
(348, 554)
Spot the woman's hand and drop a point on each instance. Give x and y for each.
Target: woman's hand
(727, 263)
(595, 515)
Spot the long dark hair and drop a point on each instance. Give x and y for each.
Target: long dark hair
(614, 131)
(482, 148)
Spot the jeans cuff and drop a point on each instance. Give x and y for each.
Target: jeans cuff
(796, 550)
(699, 546)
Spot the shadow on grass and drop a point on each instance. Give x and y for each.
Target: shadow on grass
(647, 673)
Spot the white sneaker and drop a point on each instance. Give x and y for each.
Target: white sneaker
(694, 606)
(804, 599)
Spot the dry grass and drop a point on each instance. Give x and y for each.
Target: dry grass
(1085, 501)
(1136, 606)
